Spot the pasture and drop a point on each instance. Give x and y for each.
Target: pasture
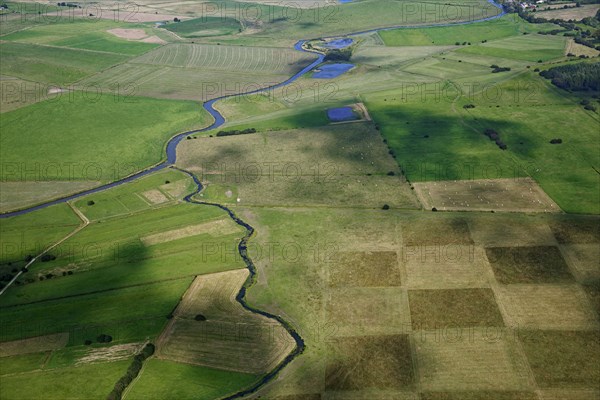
(572, 13)
(507, 26)
(201, 72)
(346, 165)
(205, 26)
(164, 378)
(105, 151)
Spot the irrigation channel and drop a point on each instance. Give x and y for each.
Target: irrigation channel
(171, 152)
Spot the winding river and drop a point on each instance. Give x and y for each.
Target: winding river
(219, 119)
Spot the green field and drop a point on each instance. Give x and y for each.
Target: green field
(205, 26)
(201, 72)
(83, 34)
(55, 65)
(509, 25)
(128, 134)
(162, 379)
(93, 381)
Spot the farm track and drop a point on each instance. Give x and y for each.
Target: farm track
(243, 244)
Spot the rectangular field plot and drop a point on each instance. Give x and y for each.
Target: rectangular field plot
(479, 395)
(201, 72)
(446, 267)
(510, 230)
(547, 307)
(34, 344)
(577, 230)
(518, 195)
(527, 48)
(539, 264)
(365, 269)
(211, 328)
(434, 231)
(161, 379)
(470, 362)
(379, 362)
(570, 394)
(435, 309)
(341, 165)
(563, 359)
(367, 311)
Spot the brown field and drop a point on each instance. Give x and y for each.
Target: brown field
(576, 230)
(576, 13)
(231, 338)
(563, 359)
(474, 361)
(547, 307)
(583, 260)
(15, 195)
(364, 269)
(510, 230)
(130, 34)
(435, 309)
(579, 49)
(367, 311)
(479, 395)
(155, 196)
(218, 228)
(517, 195)
(436, 232)
(381, 362)
(570, 394)
(540, 264)
(34, 345)
(446, 267)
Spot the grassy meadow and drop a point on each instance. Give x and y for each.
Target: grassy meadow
(393, 300)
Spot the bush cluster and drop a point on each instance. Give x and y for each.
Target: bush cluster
(236, 132)
(132, 372)
(493, 135)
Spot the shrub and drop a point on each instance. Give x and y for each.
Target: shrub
(104, 338)
(590, 107)
(556, 141)
(200, 317)
(167, 182)
(48, 257)
(87, 342)
(469, 106)
(391, 173)
(385, 207)
(69, 272)
(90, 203)
(434, 209)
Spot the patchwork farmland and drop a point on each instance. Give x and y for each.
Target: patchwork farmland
(419, 220)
